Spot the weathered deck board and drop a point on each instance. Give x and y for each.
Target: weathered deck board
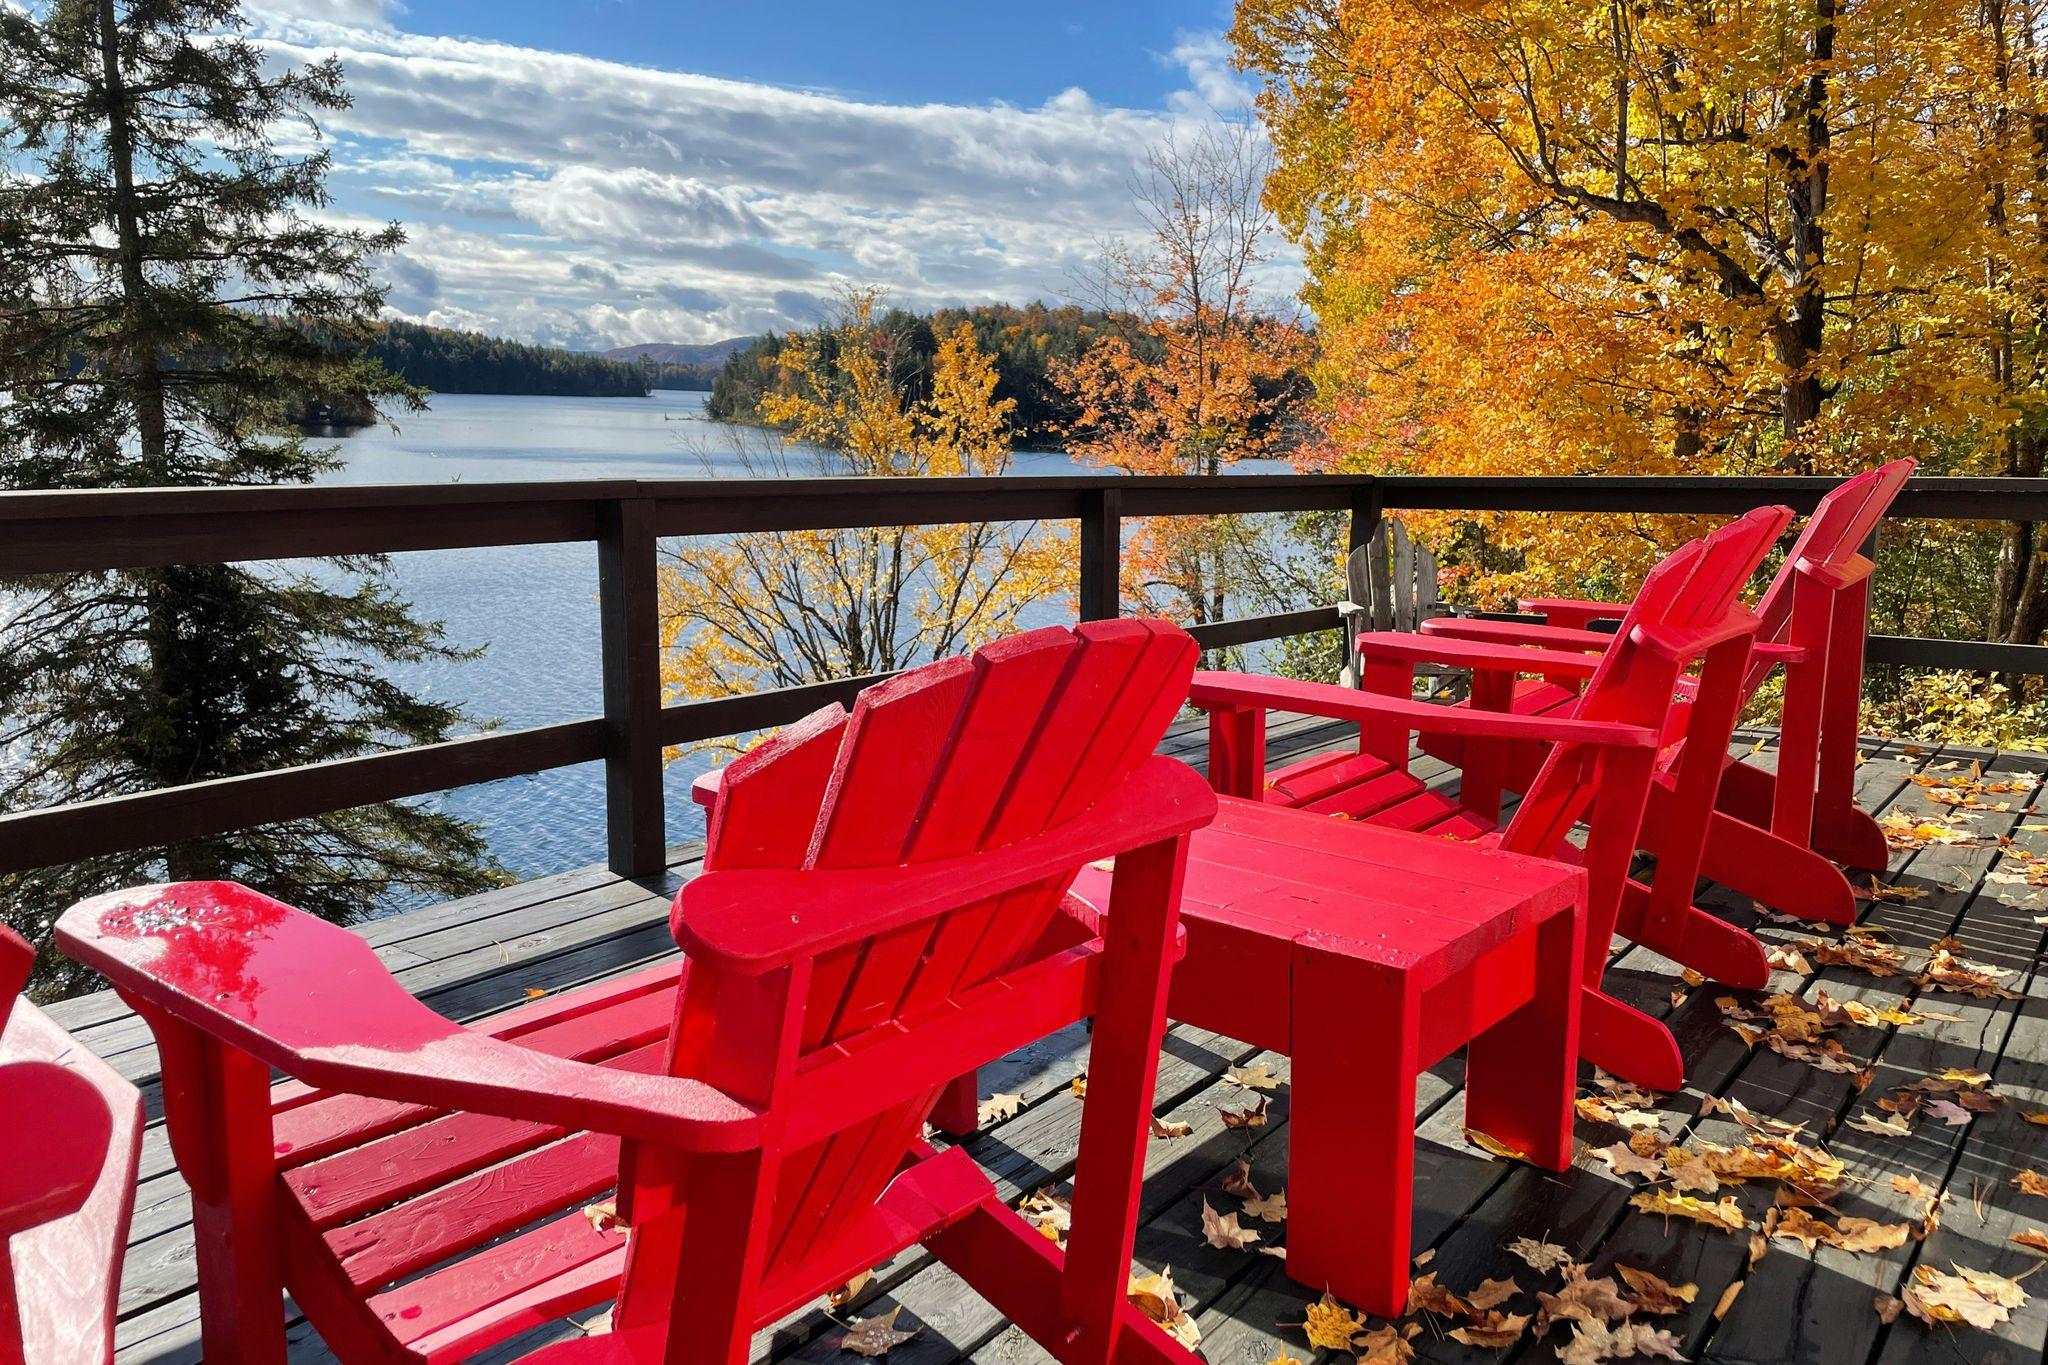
(481, 955)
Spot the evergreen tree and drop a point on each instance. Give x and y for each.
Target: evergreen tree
(152, 238)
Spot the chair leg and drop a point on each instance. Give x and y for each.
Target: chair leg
(1123, 1070)
(1791, 879)
(1623, 1041)
(958, 1111)
(1521, 1074)
(1351, 1131)
(217, 1109)
(1747, 792)
(1706, 943)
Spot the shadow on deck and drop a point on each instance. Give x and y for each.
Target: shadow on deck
(487, 953)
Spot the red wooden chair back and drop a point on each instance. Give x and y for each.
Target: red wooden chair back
(1832, 537)
(1684, 600)
(68, 1152)
(962, 756)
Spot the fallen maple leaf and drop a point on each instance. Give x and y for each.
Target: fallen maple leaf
(2033, 1239)
(1270, 1208)
(604, 1217)
(1388, 1345)
(1221, 1230)
(1970, 1296)
(1254, 1117)
(997, 1107)
(1584, 1299)
(1726, 1214)
(1623, 1159)
(1329, 1325)
(1492, 1331)
(1049, 1213)
(1595, 1342)
(1258, 1076)
(1158, 1300)
(875, 1336)
(1492, 1294)
(2032, 1182)
(1540, 1255)
(1655, 1295)
(845, 1293)
(1426, 1295)
(1895, 1126)
(1239, 1181)
(1493, 1146)
(1170, 1128)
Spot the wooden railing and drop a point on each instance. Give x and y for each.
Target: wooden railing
(59, 532)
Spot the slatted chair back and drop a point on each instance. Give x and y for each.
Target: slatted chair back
(961, 756)
(1394, 579)
(1682, 602)
(1832, 537)
(68, 1152)
(1392, 582)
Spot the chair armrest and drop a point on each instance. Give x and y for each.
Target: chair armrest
(1518, 633)
(1844, 575)
(1777, 653)
(1474, 654)
(1213, 691)
(311, 999)
(752, 920)
(1592, 611)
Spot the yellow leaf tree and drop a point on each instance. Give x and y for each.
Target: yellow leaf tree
(1608, 236)
(776, 609)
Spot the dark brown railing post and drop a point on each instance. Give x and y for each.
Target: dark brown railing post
(635, 822)
(1102, 551)
(1365, 519)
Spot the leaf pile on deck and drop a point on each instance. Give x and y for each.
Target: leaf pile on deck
(1159, 1300)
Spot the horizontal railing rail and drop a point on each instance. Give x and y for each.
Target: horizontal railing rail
(85, 531)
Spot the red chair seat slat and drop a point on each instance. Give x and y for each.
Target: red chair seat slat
(590, 1024)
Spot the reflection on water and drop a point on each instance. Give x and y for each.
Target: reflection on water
(534, 607)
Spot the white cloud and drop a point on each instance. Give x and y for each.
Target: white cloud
(1205, 58)
(554, 196)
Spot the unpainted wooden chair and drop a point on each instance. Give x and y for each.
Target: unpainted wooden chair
(885, 908)
(1598, 756)
(1392, 581)
(70, 1141)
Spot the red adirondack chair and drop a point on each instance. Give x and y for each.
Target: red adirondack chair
(69, 1144)
(1774, 836)
(886, 908)
(1596, 769)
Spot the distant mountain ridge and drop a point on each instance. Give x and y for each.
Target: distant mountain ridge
(680, 353)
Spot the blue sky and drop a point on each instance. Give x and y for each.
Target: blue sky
(594, 173)
(950, 51)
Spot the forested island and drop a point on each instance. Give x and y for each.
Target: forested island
(448, 361)
(1027, 343)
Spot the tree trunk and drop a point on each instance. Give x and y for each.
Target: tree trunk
(1802, 332)
(140, 340)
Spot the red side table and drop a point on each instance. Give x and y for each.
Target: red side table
(1368, 955)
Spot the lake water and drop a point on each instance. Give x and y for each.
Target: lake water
(533, 608)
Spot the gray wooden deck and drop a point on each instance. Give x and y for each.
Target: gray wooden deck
(477, 956)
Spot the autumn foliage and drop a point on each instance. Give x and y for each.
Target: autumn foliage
(1570, 237)
(1190, 374)
(774, 609)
